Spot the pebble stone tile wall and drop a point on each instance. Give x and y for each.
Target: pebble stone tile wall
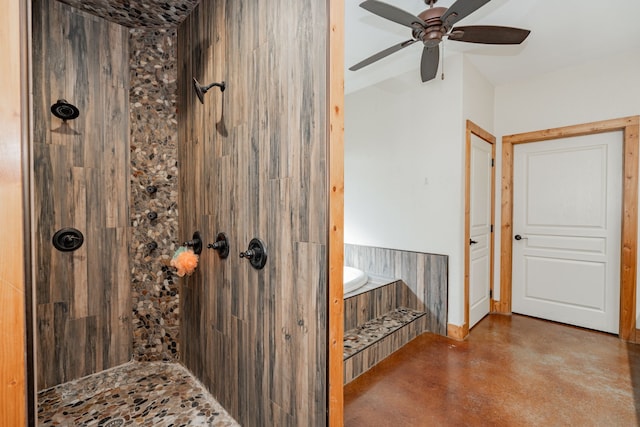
(138, 13)
(154, 187)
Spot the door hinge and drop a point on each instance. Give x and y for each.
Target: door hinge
(490, 293)
(492, 228)
(493, 162)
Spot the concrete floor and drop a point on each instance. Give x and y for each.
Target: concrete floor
(511, 371)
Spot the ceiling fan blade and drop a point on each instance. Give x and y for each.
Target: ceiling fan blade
(429, 62)
(382, 54)
(392, 13)
(489, 34)
(461, 9)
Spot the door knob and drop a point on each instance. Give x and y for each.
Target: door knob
(519, 237)
(472, 242)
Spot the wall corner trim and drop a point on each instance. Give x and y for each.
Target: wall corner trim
(458, 333)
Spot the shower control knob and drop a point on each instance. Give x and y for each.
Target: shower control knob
(256, 254)
(247, 254)
(221, 245)
(151, 189)
(67, 239)
(152, 216)
(195, 243)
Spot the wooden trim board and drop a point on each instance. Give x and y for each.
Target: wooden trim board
(456, 332)
(629, 244)
(13, 119)
(473, 129)
(336, 210)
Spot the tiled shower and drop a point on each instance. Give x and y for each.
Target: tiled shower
(145, 165)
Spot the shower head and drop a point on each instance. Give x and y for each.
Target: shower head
(201, 90)
(65, 111)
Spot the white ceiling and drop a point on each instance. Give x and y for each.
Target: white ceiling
(563, 33)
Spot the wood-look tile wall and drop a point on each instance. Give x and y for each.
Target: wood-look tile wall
(425, 274)
(253, 163)
(372, 304)
(80, 180)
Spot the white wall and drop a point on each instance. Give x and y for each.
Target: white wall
(478, 98)
(404, 148)
(604, 89)
(404, 165)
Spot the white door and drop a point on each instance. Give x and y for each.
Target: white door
(567, 197)
(480, 230)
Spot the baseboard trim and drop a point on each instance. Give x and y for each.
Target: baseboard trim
(500, 307)
(456, 332)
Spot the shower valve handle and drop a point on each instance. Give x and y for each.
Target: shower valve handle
(248, 254)
(256, 254)
(195, 243)
(221, 245)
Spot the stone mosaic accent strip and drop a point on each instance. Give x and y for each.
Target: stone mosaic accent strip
(136, 393)
(154, 190)
(363, 336)
(364, 360)
(137, 13)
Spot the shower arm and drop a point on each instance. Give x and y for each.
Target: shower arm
(221, 85)
(202, 90)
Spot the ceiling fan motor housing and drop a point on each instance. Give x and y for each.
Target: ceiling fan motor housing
(433, 32)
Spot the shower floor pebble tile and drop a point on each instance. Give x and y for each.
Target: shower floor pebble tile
(134, 394)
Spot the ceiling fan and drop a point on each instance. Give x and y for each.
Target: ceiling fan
(432, 25)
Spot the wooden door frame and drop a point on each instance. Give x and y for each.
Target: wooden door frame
(16, 399)
(474, 129)
(335, 114)
(629, 236)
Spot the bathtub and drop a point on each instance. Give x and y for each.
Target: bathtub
(353, 279)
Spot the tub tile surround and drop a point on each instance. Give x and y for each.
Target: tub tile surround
(373, 282)
(424, 275)
(136, 393)
(386, 314)
(361, 361)
(364, 335)
(154, 162)
(377, 302)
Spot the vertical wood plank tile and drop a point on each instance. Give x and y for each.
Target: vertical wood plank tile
(80, 181)
(253, 162)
